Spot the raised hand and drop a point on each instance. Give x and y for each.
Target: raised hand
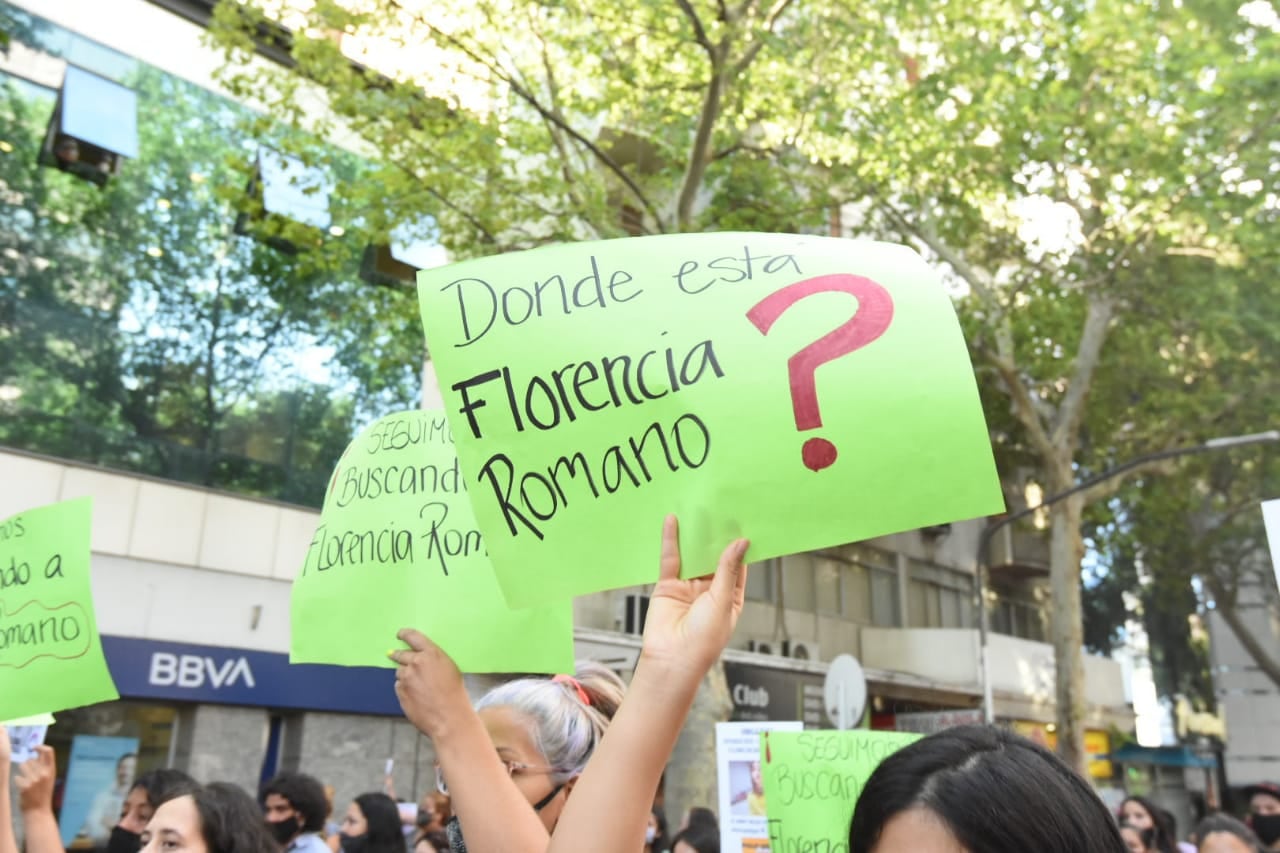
(690, 621)
(35, 781)
(428, 684)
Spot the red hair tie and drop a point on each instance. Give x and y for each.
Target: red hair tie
(576, 685)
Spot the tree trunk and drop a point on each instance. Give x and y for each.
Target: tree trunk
(1067, 626)
(691, 771)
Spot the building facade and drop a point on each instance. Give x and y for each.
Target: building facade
(205, 435)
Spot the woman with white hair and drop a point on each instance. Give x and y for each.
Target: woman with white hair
(510, 764)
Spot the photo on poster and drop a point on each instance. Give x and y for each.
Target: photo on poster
(100, 773)
(23, 741)
(746, 790)
(744, 828)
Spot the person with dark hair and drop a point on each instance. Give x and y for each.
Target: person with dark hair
(372, 825)
(215, 818)
(699, 815)
(295, 809)
(698, 838)
(655, 834)
(1142, 813)
(149, 791)
(1220, 833)
(1264, 813)
(35, 785)
(979, 788)
(1138, 840)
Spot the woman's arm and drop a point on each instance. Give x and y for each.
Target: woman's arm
(688, 625)
(494, 815)
(8, 841)
(35, 797)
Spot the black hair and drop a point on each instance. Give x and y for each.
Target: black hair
(995, 791)
(660, 840)
(1162, 821)
(703, 816)
(383, 818)
(230, 820)
(163, 785)
(1146, 836)
(304, 793)
(699, 836)
(1226, 823)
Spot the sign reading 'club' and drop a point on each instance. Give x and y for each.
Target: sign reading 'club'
(594, 388)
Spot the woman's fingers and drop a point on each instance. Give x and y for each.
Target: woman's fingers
(730, 581)
(416, 640)
(669, 565)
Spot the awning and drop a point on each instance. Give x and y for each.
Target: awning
(1164, 756)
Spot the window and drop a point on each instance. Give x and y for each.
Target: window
(760, 581)
(938, 597)
(797, 583)
(884, 598)
(829, 577)
(1018, 618)
(856, 588)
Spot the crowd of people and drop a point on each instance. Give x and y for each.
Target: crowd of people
(572, 763)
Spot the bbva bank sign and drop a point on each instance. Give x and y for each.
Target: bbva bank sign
(186, 672)
(192, 671)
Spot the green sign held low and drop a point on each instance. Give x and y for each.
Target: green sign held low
(802, 391)
(50, 652)
(812, 781)
(397, 547)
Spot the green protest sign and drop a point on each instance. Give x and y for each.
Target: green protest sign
(801, 391)
(397, 547)
(50, 652)
(812, 781)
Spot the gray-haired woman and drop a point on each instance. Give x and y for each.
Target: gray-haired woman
(510, 764)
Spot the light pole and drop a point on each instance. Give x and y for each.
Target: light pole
(984, 541)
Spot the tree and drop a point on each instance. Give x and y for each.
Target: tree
(1111, 123)
(1136, 137)
(137, 329)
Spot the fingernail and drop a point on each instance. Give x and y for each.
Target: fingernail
(391, 653)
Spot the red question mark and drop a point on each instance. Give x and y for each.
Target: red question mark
(873, 316)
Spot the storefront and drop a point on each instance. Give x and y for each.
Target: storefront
(769, 693)
(228, 714)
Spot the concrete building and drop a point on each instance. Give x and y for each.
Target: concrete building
(192, 582)
(1248, 700)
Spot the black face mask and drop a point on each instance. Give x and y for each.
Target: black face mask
(425, 819)
(1266, 827)
(123, 841)
(283, 831)
(453, 829)
(354, 843)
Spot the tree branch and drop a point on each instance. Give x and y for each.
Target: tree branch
(979, 280)
(1097, 325)
(770, 18)
(699, 32)
(1107, 488)
(1260, 654)
(550, 115)
(700, 153)
(1025, 406)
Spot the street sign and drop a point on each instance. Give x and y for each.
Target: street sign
(845, 691)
